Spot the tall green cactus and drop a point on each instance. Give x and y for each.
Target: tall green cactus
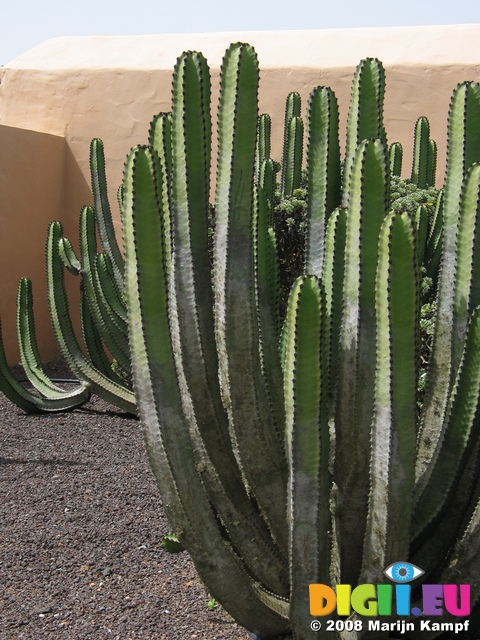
(310, 451)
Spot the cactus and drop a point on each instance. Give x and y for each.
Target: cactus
(293, 105)
(395, 152)
(102, 313)
(292, 154)
(322, 434)
(424, 155)
(263, 142)
(365, 115)
(50, 397)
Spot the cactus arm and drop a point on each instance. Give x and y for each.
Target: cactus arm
(250, 415)
(395, 156)
(293, 168)
(307, 438)
(432, 163)
(263, 142)
(92, 340)
(267, 183)
(267, 288)
(62, 326)
(324, 181)
(356, 368)
(293, 105)
(31, 403)
(434, 242)
(421, 225)
(192, 324)
(27, 342)
(69, 259)
(191, 142)
(392, 471)
(101, 207)
(160, 138)
(332, 280)
(463, 150)
(421, 147)
(461, 431)
(165, 406)
(467, 277)
(365, 115)
(113, 299)
(114, 339)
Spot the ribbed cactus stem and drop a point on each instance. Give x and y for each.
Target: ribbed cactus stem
(432, 163)
(293, 105)
(102, 211)
(324, 181)
(251, 417)
(267, 183)
(421, 150)
(308, 447)
(27, 342)
(294, 156)
(356, 368)
(68, 257)
(263, 142)
(365, 115)
(393, 438)
(395, 155)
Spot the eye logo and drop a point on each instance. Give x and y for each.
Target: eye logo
(402, 572)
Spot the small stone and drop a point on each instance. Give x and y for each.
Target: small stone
(43, 609)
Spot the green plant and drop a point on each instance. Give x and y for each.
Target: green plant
(292, 145)
(281, 468)
(211, 604)
(171, 543)
(102, 313)
(424, 155)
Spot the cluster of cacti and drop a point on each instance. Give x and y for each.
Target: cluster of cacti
(102, 312)
(293, 455)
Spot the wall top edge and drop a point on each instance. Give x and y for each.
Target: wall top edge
(427, 45)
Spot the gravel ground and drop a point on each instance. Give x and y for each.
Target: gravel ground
(81, 525)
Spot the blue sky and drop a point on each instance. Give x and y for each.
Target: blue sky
(26, 23)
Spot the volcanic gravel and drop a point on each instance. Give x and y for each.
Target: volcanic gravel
(81, 524)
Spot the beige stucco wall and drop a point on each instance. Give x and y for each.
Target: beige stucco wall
(32, 171)
(110, 87)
